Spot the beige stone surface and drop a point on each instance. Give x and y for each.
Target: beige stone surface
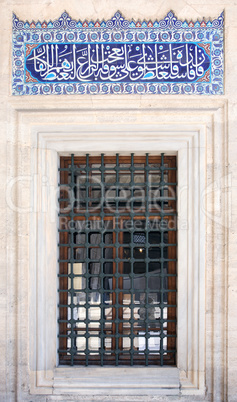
(15, 159)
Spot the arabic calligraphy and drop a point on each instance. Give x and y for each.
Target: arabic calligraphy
(117, 62)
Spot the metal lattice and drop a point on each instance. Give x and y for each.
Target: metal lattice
(117, 260)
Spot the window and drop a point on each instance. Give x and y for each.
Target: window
(117, 260)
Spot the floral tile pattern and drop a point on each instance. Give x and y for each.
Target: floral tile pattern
(118, 56)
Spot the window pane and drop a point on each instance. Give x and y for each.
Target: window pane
(117, 260)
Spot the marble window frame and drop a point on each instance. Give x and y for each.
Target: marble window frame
(189, 131)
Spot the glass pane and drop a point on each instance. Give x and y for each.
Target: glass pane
(126, 238)
(154, 252)
(124, 178)
(95, 238)
(139, 192)
(138, 177)
(110, 177)
(108, 268)
(95, 253)
(108, 238)
(80, 178)
(153, 342)
(126, 343)
(124, 193)
(154, 177)
(154, 237)
(95, 193)
(108, 253)
(95, 224)
(80, 253)
(94, 313)
(79, 238)
(94, 342)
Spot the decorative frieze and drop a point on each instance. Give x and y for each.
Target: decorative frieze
(117, 56)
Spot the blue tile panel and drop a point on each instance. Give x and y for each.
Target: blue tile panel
(117, 57)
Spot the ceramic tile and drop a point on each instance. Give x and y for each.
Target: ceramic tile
(117, 56)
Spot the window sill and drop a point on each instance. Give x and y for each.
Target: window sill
(117, 380)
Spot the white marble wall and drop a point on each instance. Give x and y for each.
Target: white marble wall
(15, 160)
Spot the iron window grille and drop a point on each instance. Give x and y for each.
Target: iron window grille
(117, 260)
